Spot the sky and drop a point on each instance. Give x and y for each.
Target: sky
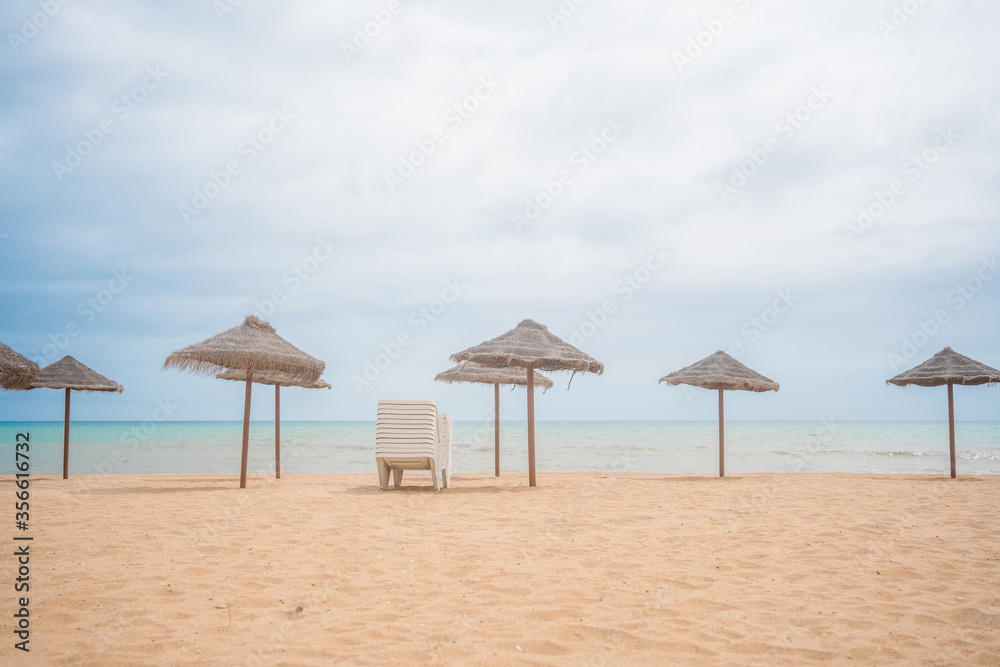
(810, 186)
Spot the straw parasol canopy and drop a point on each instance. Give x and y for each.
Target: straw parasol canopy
(477, 373)
(252, 347)
(275, 379)
(279, 380)
(721, 372)
(68, 373)
(530, 345)
(948, 367)
(71, 375)
(16, 372)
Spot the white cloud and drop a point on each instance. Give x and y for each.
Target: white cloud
(656, 184)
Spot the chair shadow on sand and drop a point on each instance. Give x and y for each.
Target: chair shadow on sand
(424, 487)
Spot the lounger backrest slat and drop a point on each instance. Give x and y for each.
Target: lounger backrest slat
(407, 428)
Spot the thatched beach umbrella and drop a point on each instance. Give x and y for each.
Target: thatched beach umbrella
(950, 368)
(477, 373)
(251, 347)
(529, 345)
(71, 375)
(16, 372)
(720, 371)
(279, 380)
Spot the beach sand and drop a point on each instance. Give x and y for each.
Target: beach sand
(585, 569)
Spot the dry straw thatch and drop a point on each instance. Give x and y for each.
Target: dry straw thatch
(68, 373)
(253, 345)
(721, 371)
(470, 371)
(947, 367)
(530, 345)
(473, 372)
(530, 342)
(272, 378)
(16, 372)
(250, 349)
(71, 375)
(277, 380)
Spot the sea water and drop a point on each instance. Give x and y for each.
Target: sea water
(581, 446)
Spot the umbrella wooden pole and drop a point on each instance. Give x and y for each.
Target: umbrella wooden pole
(722, 437)
(246, 432)
(531, 424)
(277, 431)
(66, 439)
(951, 424)
(496, 428)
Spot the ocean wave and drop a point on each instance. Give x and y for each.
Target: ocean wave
(566, 446)
(979, 456)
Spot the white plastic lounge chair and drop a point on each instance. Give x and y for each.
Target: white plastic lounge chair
(411, 435)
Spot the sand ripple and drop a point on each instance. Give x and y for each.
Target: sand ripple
(586, 569)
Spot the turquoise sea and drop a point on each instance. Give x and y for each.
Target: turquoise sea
(591, 446)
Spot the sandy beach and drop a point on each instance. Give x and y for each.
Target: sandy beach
(585, 569)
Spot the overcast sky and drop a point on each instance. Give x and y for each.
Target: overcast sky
(811, 186)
